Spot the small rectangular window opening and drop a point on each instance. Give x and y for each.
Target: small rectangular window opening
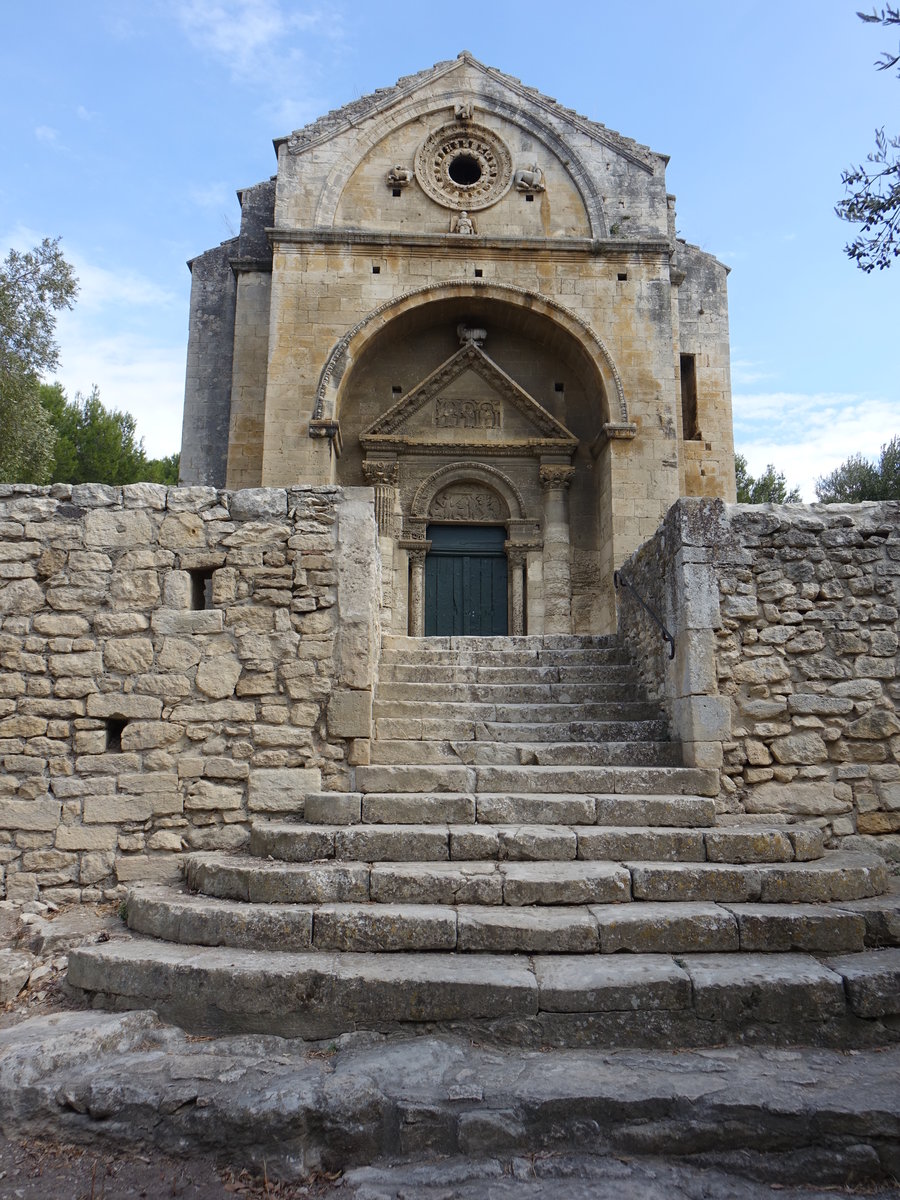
(690, 425)
(396, 192)
(396, 389)
(622, 277)
(376, 270)
(478, 273)
(559, 387)
(201, 587)
(114, 727)
(529, 199)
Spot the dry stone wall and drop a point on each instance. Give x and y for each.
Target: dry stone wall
(174, 661)
(786, 668)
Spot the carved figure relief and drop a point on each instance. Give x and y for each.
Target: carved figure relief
(466, 502)
(468, 334)
(556, 476)
(530, 179)
(464, 112)
(466, 414)
(462, 224)
(464, 166)
(399, 176)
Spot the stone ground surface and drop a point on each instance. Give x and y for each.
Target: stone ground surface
(105, 1106)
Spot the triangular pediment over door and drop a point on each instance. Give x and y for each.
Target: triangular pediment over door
(469, 401)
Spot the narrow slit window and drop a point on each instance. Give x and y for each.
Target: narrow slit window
(690, 425)
(201, 587)
(114, 728)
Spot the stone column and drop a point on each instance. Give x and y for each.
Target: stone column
(555, 480)
(515, 557)
(417, 590)
(383, 477)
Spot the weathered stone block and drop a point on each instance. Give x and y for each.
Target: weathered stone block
(40, 814)
(282, 790)
(349, 714)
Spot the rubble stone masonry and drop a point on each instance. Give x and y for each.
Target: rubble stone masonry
(174, 661)
(785, 674)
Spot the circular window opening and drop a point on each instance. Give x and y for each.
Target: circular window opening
(465, 170)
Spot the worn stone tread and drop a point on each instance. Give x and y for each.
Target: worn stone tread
(560, 999)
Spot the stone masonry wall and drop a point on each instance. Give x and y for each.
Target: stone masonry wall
(786, 669)
(173, 662)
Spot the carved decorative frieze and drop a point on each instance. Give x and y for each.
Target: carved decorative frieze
(464, 166)
(466, 502)
(467, 414)
(555, 477)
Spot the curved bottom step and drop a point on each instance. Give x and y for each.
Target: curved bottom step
(670, 928)
(645, 1000)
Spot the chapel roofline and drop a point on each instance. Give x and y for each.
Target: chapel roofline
(332, 123)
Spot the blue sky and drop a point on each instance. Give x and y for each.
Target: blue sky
(126, 128)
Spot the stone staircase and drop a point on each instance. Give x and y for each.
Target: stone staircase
(524, 858)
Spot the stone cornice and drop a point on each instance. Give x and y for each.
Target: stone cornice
(454, 243)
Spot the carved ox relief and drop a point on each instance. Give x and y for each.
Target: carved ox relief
(468, 502)
(466, 414)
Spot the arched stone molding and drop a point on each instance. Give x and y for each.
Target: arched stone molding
(464, 472)
(355, 340)
(380, 125)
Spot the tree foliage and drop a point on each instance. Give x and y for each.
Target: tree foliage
(873, 187)
(34, 285)
(769, 488)
(858, 479)
(95, 444)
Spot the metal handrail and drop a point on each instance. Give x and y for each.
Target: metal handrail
(619, 580)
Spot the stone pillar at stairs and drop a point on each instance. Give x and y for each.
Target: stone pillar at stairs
(555, 480)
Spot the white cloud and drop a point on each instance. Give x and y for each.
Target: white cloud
(808, 436)
(268, 44)
(46, 133)
(214, 196)
(745, 371)
(84, 114)
(101, 288)
(133, 372)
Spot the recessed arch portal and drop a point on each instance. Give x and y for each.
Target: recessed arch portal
(541, 317)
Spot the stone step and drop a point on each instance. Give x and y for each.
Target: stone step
(538, 673)
(611, 689)
(410, 752)
(535, 657)
(503, 644)
(837, 876)
(504, 808)
(676, 928)
(531, 843)
(545, 779)
(435, 729)
(469, 713)
(578, 1000)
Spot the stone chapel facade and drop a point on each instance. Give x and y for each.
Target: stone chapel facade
(473, 299)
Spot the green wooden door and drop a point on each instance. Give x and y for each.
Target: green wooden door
(465, 580)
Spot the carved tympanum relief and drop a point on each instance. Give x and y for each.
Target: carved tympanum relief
(467, 414)
(468, 502)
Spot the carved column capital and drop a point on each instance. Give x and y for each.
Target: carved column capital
(556, 476)
(376, 472)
